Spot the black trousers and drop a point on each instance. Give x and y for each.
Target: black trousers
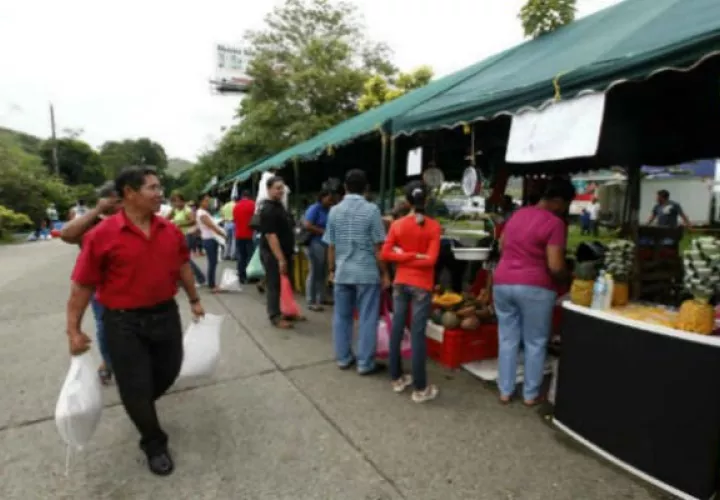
(272, 281)
(145, 347)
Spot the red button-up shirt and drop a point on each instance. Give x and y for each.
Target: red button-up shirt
(128, 269)
(242, 215)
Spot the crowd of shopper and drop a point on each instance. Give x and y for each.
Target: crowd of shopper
(133, 259)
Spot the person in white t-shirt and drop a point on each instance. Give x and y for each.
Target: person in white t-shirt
(165, 210)
(594, 212)
(209, 233)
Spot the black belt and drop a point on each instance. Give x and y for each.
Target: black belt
(157, 308)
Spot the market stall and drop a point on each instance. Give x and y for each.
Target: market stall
(644, 396)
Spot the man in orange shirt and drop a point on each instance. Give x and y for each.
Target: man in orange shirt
(244, 248)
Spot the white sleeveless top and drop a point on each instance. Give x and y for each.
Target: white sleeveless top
(206, 232)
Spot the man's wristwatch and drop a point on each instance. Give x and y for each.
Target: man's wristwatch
(195, 300)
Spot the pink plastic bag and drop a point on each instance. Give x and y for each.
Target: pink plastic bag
(288, 306)
(384, 331)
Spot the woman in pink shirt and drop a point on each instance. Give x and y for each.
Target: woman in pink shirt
(532, 261)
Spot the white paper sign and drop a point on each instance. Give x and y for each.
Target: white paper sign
(414, 162)
(565, 129)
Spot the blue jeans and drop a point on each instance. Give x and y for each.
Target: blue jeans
(366, 298)
(243, 253)
(199, 276)
(419, 299)
(98, 309)
(211, 251)
(315, 286)
(230, 245)
(524, 314)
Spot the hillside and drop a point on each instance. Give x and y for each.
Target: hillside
(29, 143)
(177, 166)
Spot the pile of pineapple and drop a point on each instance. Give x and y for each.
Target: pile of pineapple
(619, 260)
(702, 279)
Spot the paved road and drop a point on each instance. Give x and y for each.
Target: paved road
(278, 421)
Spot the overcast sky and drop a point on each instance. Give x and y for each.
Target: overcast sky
(141, 68)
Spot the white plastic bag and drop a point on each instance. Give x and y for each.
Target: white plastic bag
(201, 346)
(79, 406)
(230, 282)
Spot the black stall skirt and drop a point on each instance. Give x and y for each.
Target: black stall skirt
(645, 397)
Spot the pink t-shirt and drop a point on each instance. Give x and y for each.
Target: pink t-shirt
(526, 236)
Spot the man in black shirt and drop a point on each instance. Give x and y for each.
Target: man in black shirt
(276, 247)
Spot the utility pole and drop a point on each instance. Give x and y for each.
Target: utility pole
(56, 165)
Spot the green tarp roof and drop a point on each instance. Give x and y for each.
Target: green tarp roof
(357, 126)
(630, 40)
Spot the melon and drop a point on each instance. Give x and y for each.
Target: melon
(470, 323)
(450, 320)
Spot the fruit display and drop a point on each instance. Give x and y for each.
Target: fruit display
(619, 259)
(464, 311)
(446, 299)
(702, 279)
(652, 314)
(581, 290)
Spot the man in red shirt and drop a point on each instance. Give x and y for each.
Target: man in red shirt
(133, 261)
(244, 248)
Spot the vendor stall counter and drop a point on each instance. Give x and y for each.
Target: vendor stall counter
(644, 396)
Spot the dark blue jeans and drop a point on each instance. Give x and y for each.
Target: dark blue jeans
(199, 276)
(404, 296)
(211, 251)
(243, 253)
(98, 309)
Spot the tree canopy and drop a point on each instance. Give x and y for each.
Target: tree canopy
(78, 162)
(379, 89)
(115, 155)
(539, 17)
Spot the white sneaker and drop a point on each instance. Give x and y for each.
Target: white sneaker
(401, 384)
(430, 393)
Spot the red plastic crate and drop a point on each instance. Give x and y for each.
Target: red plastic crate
(459, 346)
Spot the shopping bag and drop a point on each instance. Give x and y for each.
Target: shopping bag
(201, 347)
(288, 306)
(79, 406)
(229, 281)
(255, 269)
(384, 332)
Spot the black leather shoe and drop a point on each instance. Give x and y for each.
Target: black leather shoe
(161, 464)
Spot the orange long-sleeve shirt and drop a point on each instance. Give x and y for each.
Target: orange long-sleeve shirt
(405, 240)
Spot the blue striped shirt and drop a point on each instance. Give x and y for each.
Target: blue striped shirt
(355, 228)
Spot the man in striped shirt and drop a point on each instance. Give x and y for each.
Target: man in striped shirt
(354, 235)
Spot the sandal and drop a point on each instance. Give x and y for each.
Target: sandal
(505, 400)
(402, 383)
(105, 375)
(428, 394)
(316, 308)
(283, 324)
(533, 402)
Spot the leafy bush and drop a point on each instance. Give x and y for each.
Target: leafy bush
(12, 221)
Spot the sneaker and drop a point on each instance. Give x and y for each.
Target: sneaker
(430, 393)
(402, 383)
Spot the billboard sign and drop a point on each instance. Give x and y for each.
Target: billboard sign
(231, 71)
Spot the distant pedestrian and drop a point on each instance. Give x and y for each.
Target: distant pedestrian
(135, 259)
(354, 235)
(594, 213)
(228, 224)
(667, 212)
(210, 233)
(183, 217)
(244, 246)
(315, 221)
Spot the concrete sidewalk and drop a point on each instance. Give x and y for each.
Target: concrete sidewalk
(278, 421)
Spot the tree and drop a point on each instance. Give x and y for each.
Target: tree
(115, 155)
(11, 221)
(26, 186)
(78, 162)
(308, 66)
(379, 89)
(539, 17)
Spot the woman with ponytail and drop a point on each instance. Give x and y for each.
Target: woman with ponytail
(413, 245)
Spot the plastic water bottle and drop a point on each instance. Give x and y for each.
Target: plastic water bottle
(599, 292)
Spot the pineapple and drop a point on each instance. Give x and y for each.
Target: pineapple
(702, 265)
(581, 291)
(619, 262)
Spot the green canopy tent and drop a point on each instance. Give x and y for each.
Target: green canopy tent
(657, 61)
